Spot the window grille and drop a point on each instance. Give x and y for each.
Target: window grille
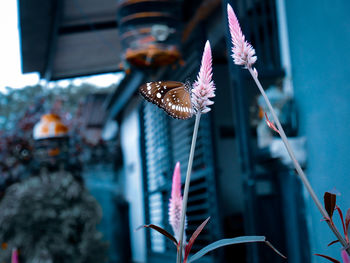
(167, 141)
(259, 23)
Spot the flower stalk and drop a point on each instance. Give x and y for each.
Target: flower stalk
(203, 90)
(187, 186)
(297, 166)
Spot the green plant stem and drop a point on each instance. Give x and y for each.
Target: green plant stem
(297, 166)
(187, 186)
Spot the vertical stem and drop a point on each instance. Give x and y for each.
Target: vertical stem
(300, 172)
(187, 186)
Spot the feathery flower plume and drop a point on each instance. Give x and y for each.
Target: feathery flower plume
(243, 53)
(203, 87)
(345, 257)
(175, 203)
(14, 256)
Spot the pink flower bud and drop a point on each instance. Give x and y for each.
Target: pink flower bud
(203, 88)
(175, 203)
(242, 52)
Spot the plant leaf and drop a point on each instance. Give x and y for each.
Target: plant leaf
(193, 238)
(163, 232)
(341, 218)
(271, 124)
(333, 242)
(232, 241)
(329, 203)
(347, 220)
(329, 258)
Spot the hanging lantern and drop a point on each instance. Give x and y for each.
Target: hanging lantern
(50, 126)
(51, 140)
(149, 31)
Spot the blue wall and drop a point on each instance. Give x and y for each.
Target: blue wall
(319, 39)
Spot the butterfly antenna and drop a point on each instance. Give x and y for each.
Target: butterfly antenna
(188, 86)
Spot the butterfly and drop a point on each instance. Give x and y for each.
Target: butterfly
(172, 96)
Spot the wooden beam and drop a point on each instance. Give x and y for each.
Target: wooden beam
(204, 10)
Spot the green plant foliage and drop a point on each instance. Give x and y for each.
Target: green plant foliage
(232, 241)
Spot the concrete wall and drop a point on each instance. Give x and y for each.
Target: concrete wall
(319, 41)
(130, 140)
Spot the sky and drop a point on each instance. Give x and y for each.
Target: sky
(10, 60)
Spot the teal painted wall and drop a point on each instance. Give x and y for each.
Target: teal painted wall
(319, 39)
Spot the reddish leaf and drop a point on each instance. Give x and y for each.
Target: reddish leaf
(270, 124)
(347, 220)
(341, 218)
(333, 242)
(329, 203)
(274, 249)
(193, 238)
(329, 258)
(163, 232)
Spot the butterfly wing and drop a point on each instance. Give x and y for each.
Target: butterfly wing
(172, 96)
(177, 103)
(155, 91)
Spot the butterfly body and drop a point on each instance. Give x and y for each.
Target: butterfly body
(172, 96)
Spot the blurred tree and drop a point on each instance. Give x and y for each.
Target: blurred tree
(51, 219)
(21, 109)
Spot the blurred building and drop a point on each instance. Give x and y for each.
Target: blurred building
(241, 177)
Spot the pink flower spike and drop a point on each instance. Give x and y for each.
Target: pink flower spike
(203, 87)
(175, 203)
(345, 256)
(243, 53)
(14, 256)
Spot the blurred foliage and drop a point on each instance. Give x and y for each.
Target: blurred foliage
(16, 104)
(51, 218)
(21, 109)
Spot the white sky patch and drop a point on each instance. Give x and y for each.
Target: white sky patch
(102, 80)
(10, 62)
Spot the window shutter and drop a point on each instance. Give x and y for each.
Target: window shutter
(202, 201)
(259, 23)
(157, 170)
(172, 139)
(167, 141)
